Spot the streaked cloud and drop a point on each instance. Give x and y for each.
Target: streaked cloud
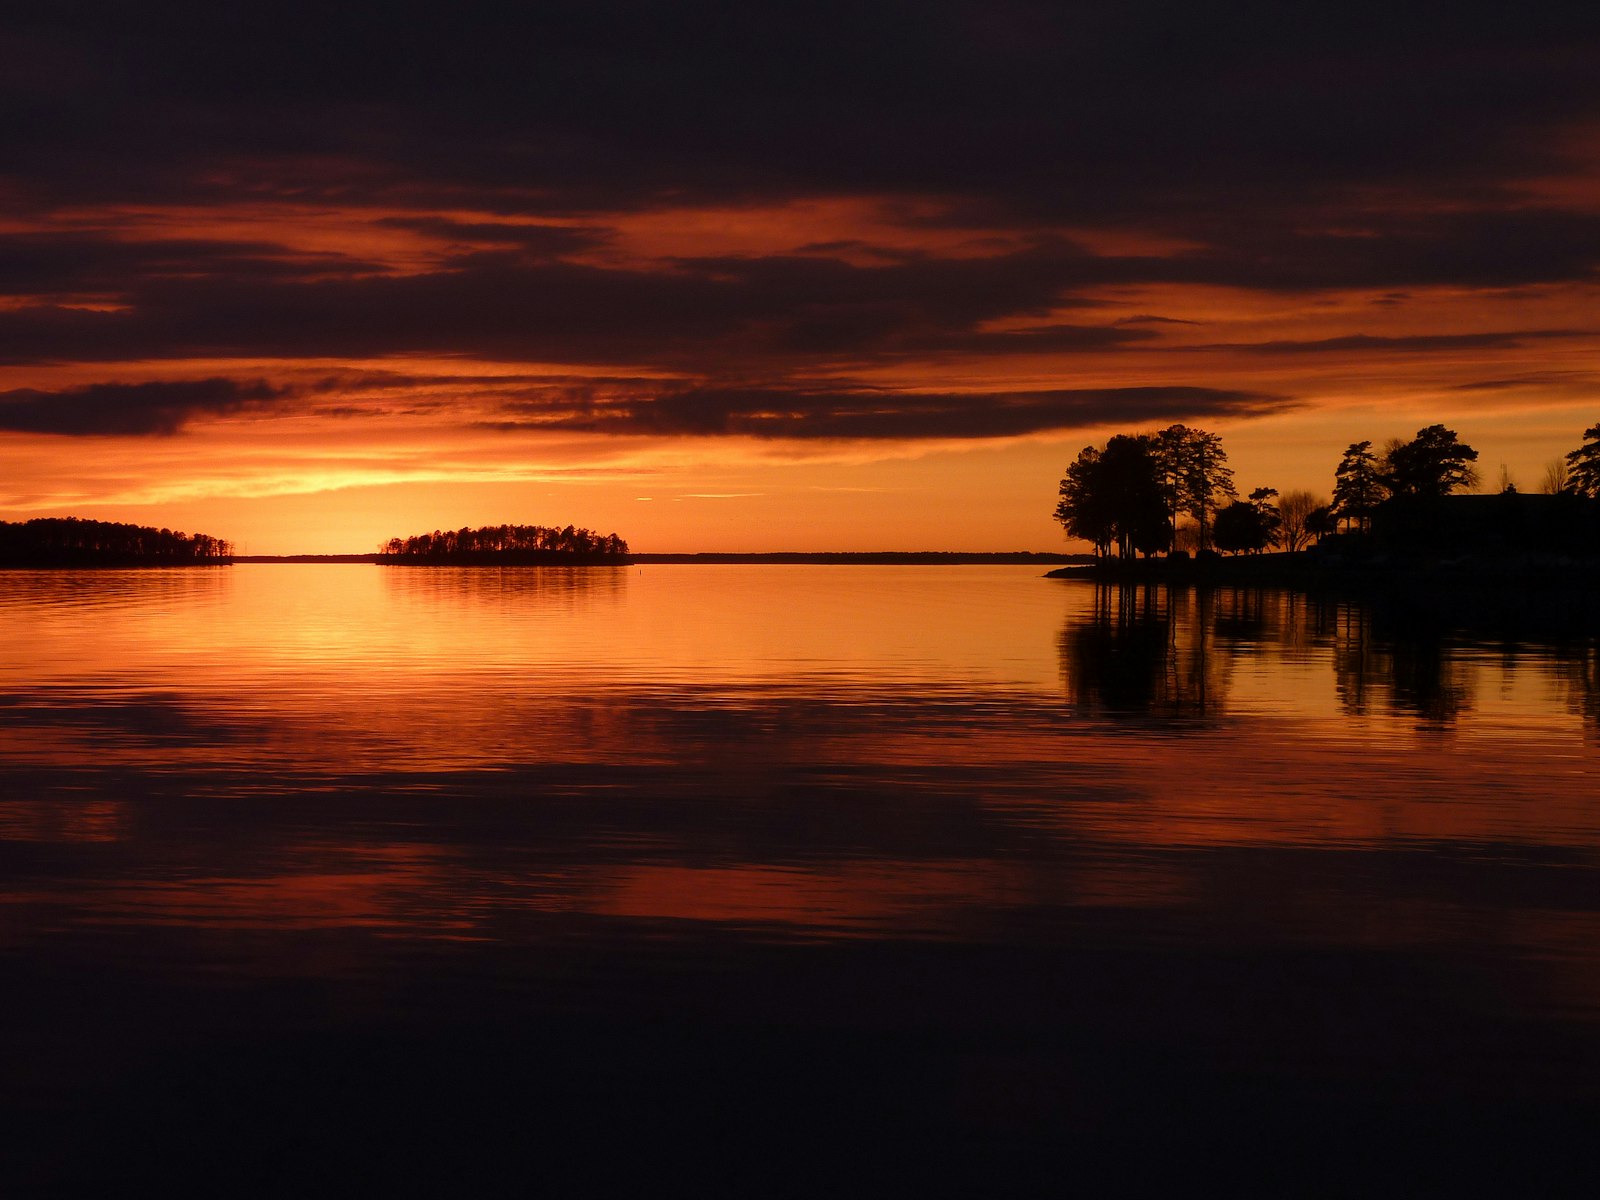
(130, 409)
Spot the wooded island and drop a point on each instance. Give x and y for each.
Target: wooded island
(505, 545)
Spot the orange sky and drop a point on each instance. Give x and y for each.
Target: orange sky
(420, 302)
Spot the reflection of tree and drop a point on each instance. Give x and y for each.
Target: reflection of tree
(1170, 652)
(513, 591)
(1426, 679)
(1248, 620)
(1577, 671)
(1409, 664)
(1242, 615)
(1144, 651)
(1356, 672)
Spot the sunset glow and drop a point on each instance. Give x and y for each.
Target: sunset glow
(874, 307)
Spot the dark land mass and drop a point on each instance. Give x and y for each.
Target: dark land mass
(305, 558)
(504, 558)
(1311, 572)
(72, 543)
(869, 558)
(506, 546)
(1515, 597)
(105, 562)
(1507, 563)
(874, 558)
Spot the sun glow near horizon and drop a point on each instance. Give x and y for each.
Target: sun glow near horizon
(510, 308)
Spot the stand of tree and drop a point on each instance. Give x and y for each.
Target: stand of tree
(1131, 493)
(71, 542)
(506, 545)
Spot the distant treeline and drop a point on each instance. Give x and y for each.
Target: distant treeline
(70, 542)
(506, 545)
(869, 558)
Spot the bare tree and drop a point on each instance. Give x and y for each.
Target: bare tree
(1556, 477)
(1293, 509)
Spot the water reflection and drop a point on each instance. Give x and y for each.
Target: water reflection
(1577, 670)
(1174, 654)
(450, 590)
(657, 817)
(1146, 651)
(1411, 669)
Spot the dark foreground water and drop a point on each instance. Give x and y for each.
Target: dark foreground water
(785, 880)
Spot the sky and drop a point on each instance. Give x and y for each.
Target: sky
(745, 276)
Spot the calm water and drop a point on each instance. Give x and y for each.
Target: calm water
(767, 877)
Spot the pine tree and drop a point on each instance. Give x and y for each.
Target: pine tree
(1358, 487)
(1583, 465)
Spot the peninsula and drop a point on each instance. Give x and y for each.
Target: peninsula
(73, 542)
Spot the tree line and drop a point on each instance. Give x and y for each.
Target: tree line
(506, 544)
(70, 541)
(1131, 493)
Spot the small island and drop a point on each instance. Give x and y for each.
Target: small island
(506, 546)
(73, 542)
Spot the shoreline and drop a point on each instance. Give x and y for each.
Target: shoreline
(126, 565)
(1308, 572)
(1519, 598)
(717, 558)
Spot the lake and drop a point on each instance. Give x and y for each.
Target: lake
(783, 878)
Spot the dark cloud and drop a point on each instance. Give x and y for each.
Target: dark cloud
(159, 407)
(1356, 145)
(861, 413)
(1099, 109)
(700, 312)
(1530, 379)
(53, 264)
(704, 315)
(1393, 250)
(1363, 342)
(1041, 339)
(536, 241)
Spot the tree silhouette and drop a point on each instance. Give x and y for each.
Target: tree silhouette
(1432, 464)
(1583, 465)
(1248, 525)
(1358, 486)
(1320, 522)
(1081, 508)
(1265, 501)
(1198, 464)
(1556, 475)
(68, 541)
(1114, 496)
(1130, 492)
(1294, 513)
(1173, 452)
(506, 544)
